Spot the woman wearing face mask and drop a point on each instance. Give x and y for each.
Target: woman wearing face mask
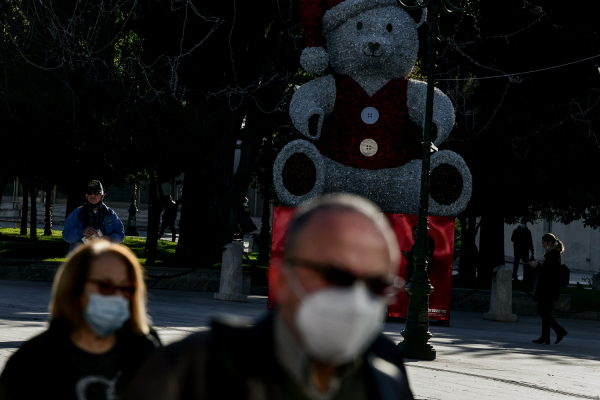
(98, 334)
(546, 288)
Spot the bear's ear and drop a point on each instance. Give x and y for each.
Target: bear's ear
(314, 60)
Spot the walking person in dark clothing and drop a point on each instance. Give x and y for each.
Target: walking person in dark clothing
(522, 245)
(178, 202)
(546, 288)
(244, 222)
(169, 216)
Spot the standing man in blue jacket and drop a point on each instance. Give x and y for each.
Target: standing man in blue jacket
(93, 220)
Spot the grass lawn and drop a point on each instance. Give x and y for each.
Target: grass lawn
(583, 298)
(47, 248)
(53, 248)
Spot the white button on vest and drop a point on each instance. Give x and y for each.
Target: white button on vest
(369, 115)
(368, 147)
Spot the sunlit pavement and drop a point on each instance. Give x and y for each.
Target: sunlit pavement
(475, 358)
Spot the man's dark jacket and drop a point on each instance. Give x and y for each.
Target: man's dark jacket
(170, 211)
(235, 361)
(40, 368)
(522, 240)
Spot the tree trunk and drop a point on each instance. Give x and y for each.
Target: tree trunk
(491, 245)
(182, 249)
(466, 269)
(216, 193)
(161, 193)
(467, 264)
(33, 191)
(75, 192)
(153, 220)
(24, 208)
(2, 187)
(48, 211)
(265, 230)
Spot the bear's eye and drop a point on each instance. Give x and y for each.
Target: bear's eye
(389, 27)
(359, 25)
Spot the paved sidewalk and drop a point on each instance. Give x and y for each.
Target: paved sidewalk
(475, 358)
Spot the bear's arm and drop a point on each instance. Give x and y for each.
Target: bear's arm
(311, 103)
(443, 110)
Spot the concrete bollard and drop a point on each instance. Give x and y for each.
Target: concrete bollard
(501, 296)
(230, 288)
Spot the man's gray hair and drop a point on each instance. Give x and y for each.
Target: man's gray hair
(343, 202)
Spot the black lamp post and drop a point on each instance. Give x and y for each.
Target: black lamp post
(416, 333)
(132, 220)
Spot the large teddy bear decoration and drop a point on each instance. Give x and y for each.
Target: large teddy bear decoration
(364, 121)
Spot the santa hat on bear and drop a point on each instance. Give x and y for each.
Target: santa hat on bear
(319, 17)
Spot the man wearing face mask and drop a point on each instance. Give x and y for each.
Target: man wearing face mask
(522, 245)
(324, 339)
(93, 220)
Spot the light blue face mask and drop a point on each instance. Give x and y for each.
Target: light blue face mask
(522, 225)
(105, 314)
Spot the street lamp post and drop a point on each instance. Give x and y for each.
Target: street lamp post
(416, 333)
(132, 220)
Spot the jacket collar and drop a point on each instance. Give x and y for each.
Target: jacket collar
(381, 358)
(84, 209)
(552, 247)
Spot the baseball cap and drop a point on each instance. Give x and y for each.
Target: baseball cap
(95, 186)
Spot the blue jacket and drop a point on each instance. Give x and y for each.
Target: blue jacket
(73, 230)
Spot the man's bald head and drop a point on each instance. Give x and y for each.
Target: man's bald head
(343, 203)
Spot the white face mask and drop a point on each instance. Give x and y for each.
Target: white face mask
(106, 314)
(337, 324)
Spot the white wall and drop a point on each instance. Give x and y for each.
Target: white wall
(582, 244)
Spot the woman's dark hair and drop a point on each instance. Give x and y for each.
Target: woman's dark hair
(550, 238)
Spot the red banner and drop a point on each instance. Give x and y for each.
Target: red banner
(441, 230)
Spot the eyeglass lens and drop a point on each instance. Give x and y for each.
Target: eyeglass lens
(335, 276)
(108, 288)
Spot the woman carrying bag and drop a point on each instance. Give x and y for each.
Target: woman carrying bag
(546, 289)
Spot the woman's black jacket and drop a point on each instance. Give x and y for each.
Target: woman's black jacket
(547, 287)
(40, 368)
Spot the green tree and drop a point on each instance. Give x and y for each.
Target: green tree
(528, 138)
(235, 62)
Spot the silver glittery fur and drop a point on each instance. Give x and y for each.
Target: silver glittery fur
(350, 28)
(395, 190)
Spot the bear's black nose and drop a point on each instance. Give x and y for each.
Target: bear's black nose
(373, 46)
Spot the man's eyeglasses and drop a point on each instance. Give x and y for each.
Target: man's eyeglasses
(96, 192)
(379, 286)
(108, 288)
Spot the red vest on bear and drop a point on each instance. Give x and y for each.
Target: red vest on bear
(398, 138)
